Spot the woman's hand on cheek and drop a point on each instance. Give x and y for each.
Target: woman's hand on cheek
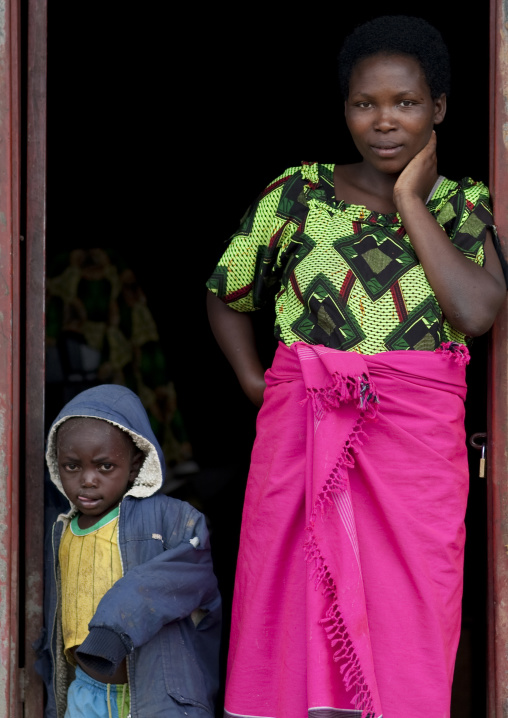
(418, 177)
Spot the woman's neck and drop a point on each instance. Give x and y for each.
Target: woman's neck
(359, 184)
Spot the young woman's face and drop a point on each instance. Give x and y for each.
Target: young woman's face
(390, 112)
(97, 463)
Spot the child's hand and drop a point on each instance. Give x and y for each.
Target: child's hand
(418, 177)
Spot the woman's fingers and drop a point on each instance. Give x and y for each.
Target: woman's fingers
(420, 174)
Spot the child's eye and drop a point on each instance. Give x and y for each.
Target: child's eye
(107, 467)
(71, 467)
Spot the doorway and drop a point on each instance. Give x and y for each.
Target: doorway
(154, 154)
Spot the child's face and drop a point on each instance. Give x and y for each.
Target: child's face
(97, 463)
(390, 111)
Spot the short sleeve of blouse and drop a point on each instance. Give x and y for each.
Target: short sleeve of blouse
(246, 275)
(464, 211)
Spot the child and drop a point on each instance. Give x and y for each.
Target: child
(349, 576)
(134, 604)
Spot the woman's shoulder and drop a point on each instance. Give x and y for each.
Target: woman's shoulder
(315, 172)
(311, 172)
(446, 187)
(452, 198)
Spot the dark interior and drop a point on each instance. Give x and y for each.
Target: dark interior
(161, 131)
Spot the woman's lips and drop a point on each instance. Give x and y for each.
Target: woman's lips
(386, 150)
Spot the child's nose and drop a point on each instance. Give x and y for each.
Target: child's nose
(88, 478)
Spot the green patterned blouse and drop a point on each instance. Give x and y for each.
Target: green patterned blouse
(340, 275)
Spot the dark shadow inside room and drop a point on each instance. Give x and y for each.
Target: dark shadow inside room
(153, 157)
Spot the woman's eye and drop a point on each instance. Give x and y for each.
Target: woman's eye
(364, 104)
(407, 103)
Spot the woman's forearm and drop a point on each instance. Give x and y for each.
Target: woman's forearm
(235, 336)
(469, 295)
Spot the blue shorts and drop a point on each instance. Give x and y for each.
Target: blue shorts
(88, 698)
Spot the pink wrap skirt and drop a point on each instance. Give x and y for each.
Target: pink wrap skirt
(348, 588)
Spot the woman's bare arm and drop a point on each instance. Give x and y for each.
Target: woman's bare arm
(235, 336)
(469, 295)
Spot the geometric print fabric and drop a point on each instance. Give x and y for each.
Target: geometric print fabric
(340, 275)
(377, 259)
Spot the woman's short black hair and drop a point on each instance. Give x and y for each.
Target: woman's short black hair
(398, 35)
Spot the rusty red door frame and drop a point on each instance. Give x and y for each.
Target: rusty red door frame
(35, 344)
(9, 374)
(9, 356)
(498, 380)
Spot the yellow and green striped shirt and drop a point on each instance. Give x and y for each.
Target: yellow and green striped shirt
(90, 564)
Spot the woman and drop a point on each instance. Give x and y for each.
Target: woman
(349, 577)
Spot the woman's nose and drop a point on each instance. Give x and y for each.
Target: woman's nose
(385, 119)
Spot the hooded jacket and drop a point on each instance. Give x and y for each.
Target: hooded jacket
(163, 615)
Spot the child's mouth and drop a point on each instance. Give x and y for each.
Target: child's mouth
(88, 502)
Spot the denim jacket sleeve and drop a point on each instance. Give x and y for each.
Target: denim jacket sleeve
(173, 577)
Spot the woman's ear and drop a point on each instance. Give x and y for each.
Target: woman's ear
(439, 109)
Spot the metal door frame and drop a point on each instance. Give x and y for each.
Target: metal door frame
(497, 658)
(9, 354)
(34, 360)
(35, 347)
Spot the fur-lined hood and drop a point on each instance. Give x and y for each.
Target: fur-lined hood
(122, 408)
